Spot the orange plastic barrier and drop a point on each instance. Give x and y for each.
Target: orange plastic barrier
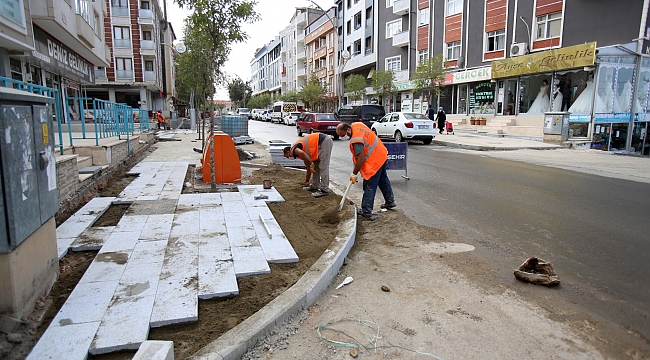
(227, 168)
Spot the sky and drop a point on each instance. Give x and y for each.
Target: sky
(275, 15)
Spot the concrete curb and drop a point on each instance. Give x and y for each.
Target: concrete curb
(234, 343)
(492, 148)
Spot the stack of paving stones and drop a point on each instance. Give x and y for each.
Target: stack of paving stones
(168, 251)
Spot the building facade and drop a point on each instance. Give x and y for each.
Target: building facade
(266, 69)
(321, 48)
(141, 65)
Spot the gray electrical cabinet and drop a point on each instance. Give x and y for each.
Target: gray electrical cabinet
(29, 194)
(557, 123)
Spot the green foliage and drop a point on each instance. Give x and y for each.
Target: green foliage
(382, 83)
(355, 86)
(239, 91)
(312, 93)
(429, 77)
(260, 101)
(291, 95)
(191, 78)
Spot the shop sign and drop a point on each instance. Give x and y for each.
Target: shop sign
(612, 118)
(579, 117)
(467, 76)
(404, 85)
(644, 117)
(51, 54)
(570, 57)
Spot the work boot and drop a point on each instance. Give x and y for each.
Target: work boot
(389, 205)
(318, 193)
(309, 188)
(369, 216)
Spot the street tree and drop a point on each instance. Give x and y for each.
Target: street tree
(220, 23)
(355, 86)
(312, 93)
(382, 84)
(291, 95)
(429, 77)
(239, 91)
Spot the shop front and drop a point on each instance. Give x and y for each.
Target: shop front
(554, 80)
(640, 143)
(54, 65)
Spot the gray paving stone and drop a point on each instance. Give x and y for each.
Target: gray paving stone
(157, 227)
(230, 197)
(63, 245)
(273, 194)
(216, 270)
(249, 260)
(277, 248)
(188, 201)
(93, 238)
(242, 236)
(237, 219)
(65, 342)
(131, 223)
(211, 199)
(86, 303)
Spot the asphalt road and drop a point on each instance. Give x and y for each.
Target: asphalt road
(594, 230)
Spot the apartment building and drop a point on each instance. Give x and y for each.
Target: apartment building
(357, 34)
(53, 44)
(321, 44)
(293, 51)
(141, 43)
(266, 69)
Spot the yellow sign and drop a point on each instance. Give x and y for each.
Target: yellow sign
(570, 57)
(46, 136)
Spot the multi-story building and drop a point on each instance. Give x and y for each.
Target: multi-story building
(293, 51)
(266, 69)
(321, 49)
(258, 77)
(53, 44)
(136, 31)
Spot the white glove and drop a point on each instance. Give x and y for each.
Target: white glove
(354, 178)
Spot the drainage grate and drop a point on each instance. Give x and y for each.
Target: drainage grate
(152, 207)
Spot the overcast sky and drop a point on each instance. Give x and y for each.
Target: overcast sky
(275, 15)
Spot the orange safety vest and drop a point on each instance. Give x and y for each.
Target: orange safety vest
(160, 118)
(373, 149)
(309, 145)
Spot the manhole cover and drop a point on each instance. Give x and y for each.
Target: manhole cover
(152, 207)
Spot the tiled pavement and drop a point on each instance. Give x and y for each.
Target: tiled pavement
(167, 251)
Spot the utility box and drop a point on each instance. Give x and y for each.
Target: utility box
(556, 127)
(29, 200)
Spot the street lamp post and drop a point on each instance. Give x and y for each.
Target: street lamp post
(344, 55)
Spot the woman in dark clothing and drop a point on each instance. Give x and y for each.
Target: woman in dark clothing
(441, 118)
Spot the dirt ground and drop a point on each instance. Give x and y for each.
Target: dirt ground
(310, 232)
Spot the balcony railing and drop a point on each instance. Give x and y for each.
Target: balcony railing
(148, 44)
(100, 73)
(368, 23)
(301, 55)
(401, 39)
(301, 19)
(150, 75)
(123, 43)
(124, 74)
(401, 7)
(119, 11)
(301, 72)
(145, 14)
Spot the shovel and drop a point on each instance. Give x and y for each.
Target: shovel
(344, 195)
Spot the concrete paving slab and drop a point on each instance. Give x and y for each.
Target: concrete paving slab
(96, 206)
(185, 225)
(234, 207)
(277, 248)
(242, 236)
(92, 239)
(63, 245)
(230, 197)
(249, 195)
(212, 222)
(120, 242)
(217, 276)
(237, 219)
(155, 350)
(87, 303)
(131, 223)
(211, 199)
(107, 266)
(249, 260)
(189, 201)
(148, 252)
(157, 227)
(65, 342)
(74, 226)
(273, 194)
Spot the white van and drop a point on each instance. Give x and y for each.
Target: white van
(282, 109)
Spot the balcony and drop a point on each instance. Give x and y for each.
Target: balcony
(149, 76)
(301, 55)
(401, 39)
(147, 48)
(145, 16)
(301, 19)
(301, 72)
(300, 37)
(124, 74)
(368, 23)
(401, 7)
(122, 43)
(119, 11)
(100, 73)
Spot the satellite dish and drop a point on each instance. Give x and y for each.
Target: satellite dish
(180, 47)
(345, 54)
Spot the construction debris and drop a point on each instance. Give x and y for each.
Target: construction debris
(537, 271)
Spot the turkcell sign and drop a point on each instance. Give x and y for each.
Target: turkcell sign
(396, 156)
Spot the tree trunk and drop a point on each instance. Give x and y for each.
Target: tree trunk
(213, 182)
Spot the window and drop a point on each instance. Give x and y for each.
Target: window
(453, 50)
(454, 7)
(422, 56)
(146, 35)
(357, 20)
(144, 5)
(349, 4)
(148, 65)
(331, 61)
(349, 27)
(98, 26)
(357, 47)
(16, 68)
(393, 27)
(331, 35)
(81, 8)
(124, 68)
(549, 26)
(321, 64)
(423, 16)
(120, 3)
(369, 45)
(122, 36)
(369, 17)
(13, 10)
(389, 3)
(496, 40)
(394, 64)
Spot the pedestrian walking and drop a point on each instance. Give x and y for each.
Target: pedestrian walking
(369, 156)
(441, 118)
(431, 114)
(315, 150)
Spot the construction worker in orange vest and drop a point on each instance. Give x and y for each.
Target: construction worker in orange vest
(370, 157)
(315, 151)
(161, 119)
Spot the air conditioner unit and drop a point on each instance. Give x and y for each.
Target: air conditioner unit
(518, 49)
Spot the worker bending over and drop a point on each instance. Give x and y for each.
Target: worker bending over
(315, 151)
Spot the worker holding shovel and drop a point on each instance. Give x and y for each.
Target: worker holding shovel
(370, 157)
(315, 151)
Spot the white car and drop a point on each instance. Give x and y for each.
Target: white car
(291, 118)
(405, 126)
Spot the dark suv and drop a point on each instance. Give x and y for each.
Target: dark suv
(367, 113)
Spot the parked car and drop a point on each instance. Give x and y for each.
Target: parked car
(255, 113)
(281, 109)
(291, 118)
(367, 113)
(244, 111)
(401, 126)
(317, 122)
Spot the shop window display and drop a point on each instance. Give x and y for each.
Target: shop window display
(573, 91)
(643, 94)
(462, 99)
(481, 98)
(534, 92)
(615, 86)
